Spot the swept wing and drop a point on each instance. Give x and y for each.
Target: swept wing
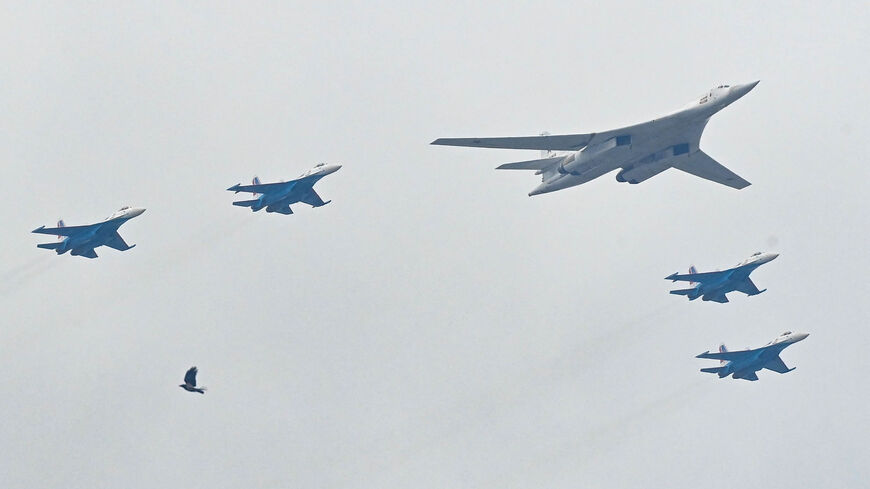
(64, 231)
(117, 242)
(747, 287)
(311, 198)
(700, 277)
(701, 165)
(729, 356)
(564, 142)
(262, 188)
(777, 365)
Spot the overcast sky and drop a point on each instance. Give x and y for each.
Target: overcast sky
(433, 326)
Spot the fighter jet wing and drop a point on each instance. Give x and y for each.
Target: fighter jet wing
(311, 198)
(701, 165)
(747, 287)
(726, 355)
(117, 242)
(777, 365)
(564, 142)
(262, 188)
(699, 277)
(64, 231)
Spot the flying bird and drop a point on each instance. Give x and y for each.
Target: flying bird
(190, 381)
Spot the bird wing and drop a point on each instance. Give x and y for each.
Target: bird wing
(190, 376)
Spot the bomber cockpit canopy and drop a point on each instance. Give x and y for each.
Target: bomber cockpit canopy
(786, 333)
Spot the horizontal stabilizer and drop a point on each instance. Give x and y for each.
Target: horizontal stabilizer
(712, 370)
(565, 142)
(50, 246)
(701, 165)
(683, 291)
(247, 203)
(531, 164)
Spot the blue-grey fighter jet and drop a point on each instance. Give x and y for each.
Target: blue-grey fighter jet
(743, 364)
(712, 286)
(277, 197)
(81, 240)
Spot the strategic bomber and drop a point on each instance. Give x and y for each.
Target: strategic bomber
(640, 152)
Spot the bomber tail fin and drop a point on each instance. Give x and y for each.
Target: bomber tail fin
(60, 224)
(722, 349)
(255, 181)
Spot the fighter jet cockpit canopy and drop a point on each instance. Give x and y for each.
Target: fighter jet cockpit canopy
(120, 211)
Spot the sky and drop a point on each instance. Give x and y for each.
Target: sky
(433, 326)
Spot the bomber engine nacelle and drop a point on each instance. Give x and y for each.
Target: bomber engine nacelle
(596, 155)
(652, 165)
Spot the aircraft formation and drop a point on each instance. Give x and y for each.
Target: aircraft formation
(639, 152)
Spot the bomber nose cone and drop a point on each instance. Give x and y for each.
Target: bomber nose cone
(741, 90)
(801, 336)
(136, 212)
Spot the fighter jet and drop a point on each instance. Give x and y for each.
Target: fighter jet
(712, 286)
(743, 364)
(81, 240)
(277, 197)
(640, 151)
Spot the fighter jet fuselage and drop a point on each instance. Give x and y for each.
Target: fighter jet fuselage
(640, 151)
